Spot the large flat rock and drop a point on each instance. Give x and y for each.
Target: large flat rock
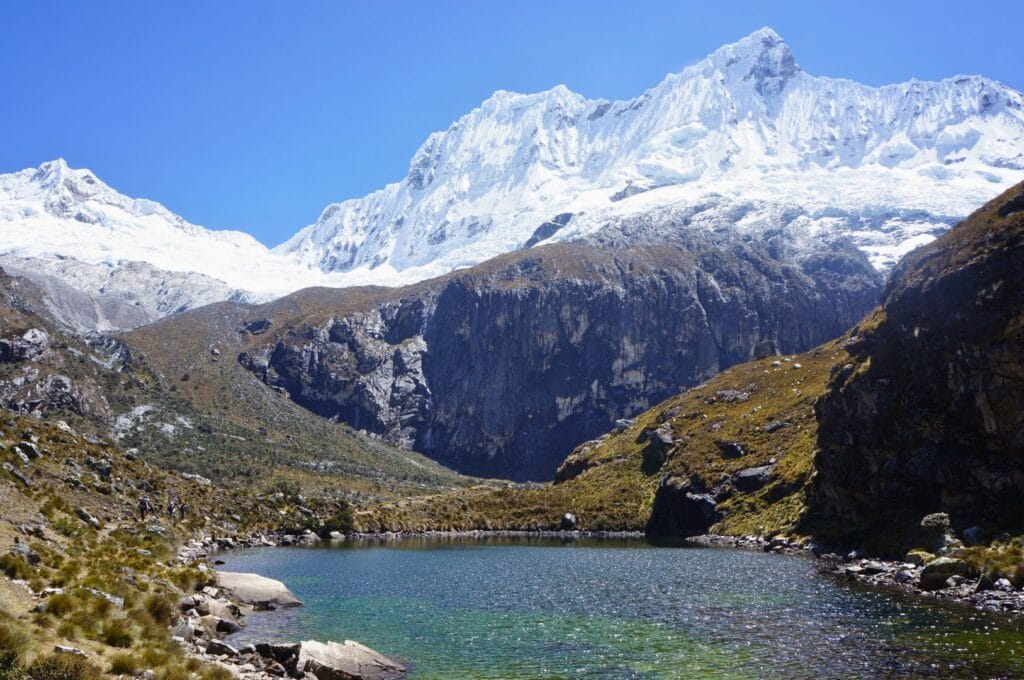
(253, 589)
(346, 661)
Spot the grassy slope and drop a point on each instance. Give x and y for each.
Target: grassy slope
(615, 493)
(253, 432)
(120, 558)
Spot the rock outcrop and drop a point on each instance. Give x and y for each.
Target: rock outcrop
(502, 369)
(929, 415)
(255, 590)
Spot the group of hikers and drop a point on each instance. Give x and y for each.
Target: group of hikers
(175, 510)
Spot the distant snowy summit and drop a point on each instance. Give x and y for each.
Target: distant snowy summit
(744, 140)
(882, 165)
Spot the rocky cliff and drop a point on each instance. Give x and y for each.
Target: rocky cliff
(929, 414)
(500, 370)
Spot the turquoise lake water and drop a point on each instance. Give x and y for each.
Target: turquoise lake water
(590, 608)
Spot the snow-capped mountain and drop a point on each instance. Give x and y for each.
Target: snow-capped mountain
(742, 140)
(889, 167)
(55, 211)
(110, 261)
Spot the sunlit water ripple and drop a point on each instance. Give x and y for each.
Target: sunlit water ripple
(617, 609)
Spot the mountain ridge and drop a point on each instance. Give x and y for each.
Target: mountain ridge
(745, 137)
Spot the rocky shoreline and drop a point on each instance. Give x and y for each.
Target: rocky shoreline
(214, 612)
(941, 578)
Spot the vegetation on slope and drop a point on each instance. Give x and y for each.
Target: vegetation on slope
(83, 571)
(765, 407)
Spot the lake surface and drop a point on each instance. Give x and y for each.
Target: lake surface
(546, 608)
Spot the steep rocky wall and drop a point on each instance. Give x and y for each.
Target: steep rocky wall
(929, 416)
(502, 369)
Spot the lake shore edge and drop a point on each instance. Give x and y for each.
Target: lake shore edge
(879, 574)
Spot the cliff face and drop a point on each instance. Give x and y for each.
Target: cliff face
(502, 369)
(929, 414)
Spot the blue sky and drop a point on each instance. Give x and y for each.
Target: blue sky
(256, 115)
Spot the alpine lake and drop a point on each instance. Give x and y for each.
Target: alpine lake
(616, 608)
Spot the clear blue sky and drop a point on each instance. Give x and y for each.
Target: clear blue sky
(257, 115)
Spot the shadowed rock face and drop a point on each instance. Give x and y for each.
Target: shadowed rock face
(930, 415)
(502, 369)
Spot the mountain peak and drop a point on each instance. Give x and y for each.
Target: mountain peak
(51, 173)
(762, 60)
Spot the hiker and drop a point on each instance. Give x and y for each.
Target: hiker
(170, 509)
(183, 511)
(144, 507)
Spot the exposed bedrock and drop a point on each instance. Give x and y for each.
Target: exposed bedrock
(500, 370)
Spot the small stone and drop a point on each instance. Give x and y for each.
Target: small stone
(984, 583)
(871, 568)
(904, 576)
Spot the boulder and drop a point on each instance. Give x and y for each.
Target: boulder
(918, 557)
(680, 510)
(218, 648)
(22, 549)
(84, 515)
(936, 573)
(732, 449)
(183, 630)
(227, 626)
(346, 661)
(765, 349)
(255, 326)
(973, 535)
(753, 478)
(30, 449)
(253, 589)
(284, 655)
(16, 473)
(659, 444)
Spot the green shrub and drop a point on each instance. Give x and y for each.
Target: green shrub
(15, 566)
(67, 527)
(68, 630)
(159, 608)
(62, 667)
(124, 664)
(116, 633)
(13, 643)
(60, 605)
(342, 520)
